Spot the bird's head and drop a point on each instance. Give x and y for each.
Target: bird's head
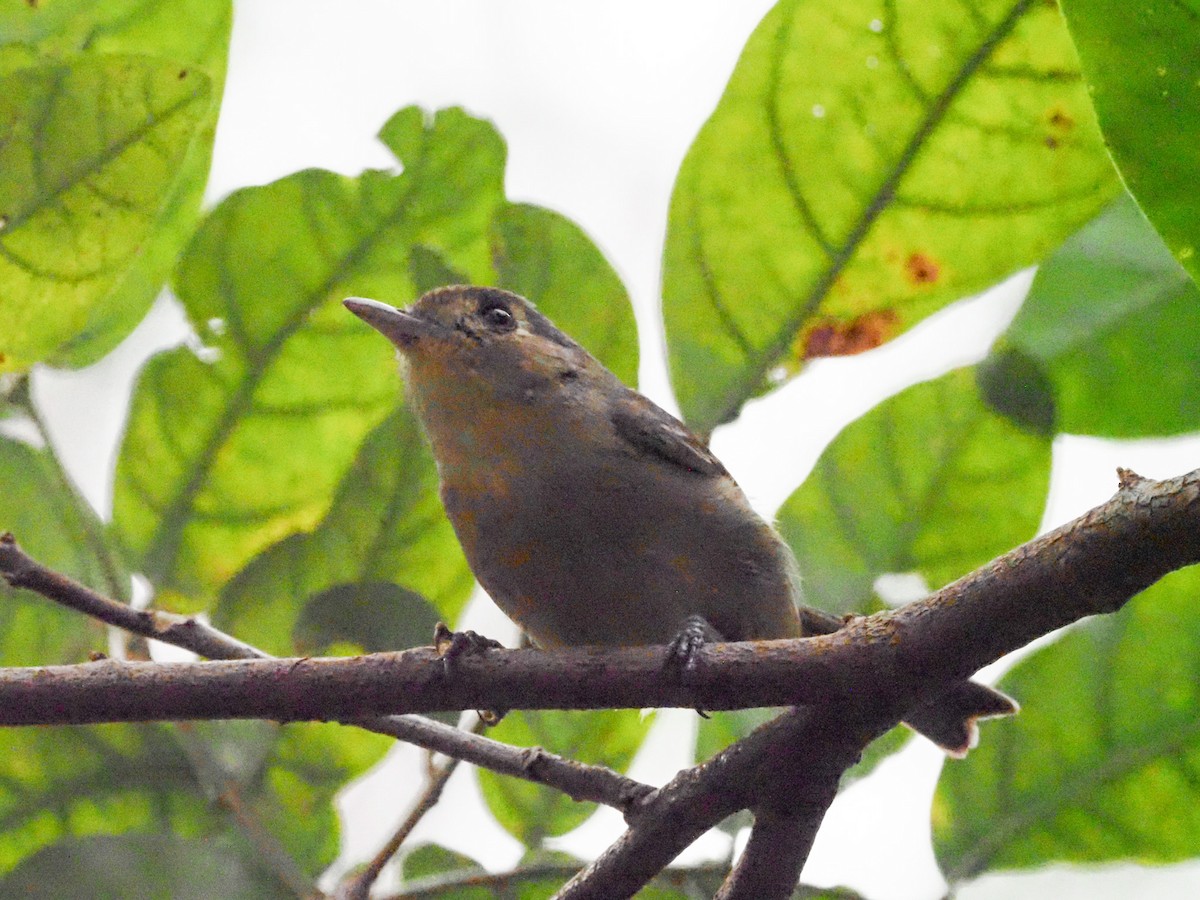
(479, 334)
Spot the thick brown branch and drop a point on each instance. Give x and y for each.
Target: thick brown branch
(577, 780)
(731, 676)
(897, 658)
(1092, 565)
(778, 846)
(858, 681)
(792, 763)
(1089, 566)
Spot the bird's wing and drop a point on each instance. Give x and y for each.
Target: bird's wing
(652, 429)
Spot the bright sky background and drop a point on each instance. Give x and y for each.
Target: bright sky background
(598, 103)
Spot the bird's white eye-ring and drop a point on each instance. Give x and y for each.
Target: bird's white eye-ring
(498, 318)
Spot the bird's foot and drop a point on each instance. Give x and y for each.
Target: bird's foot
(451, 646)
(682, 658)
(694, 634)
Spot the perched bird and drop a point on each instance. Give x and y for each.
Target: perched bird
(589, 514)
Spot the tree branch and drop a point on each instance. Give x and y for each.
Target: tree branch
(855, 683)
(358, 886)
(579, 781)
(900, 658)
(791, 763)
(1091, 565)
(730, 676)
(770, 865)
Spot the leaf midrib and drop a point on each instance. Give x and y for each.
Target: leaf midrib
(99, 161)
(752, 375)
(164, 551)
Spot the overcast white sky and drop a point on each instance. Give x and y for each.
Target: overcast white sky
(598, 103)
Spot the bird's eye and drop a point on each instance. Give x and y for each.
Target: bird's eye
(498, 318)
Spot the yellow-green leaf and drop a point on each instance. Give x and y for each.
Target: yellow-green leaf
(232, 448)
(931, 481)
(192, 34)
(532, 812)
(386, 524)
(90, 157)
(869, 163)
(1101, 764)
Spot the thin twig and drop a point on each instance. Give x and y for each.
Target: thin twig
(454, 884)
(228, 795)
(579, 781)
(359, 887)
(1092, 565)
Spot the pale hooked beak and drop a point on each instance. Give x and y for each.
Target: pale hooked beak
(401, 328)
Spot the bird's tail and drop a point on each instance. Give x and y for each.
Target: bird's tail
(949, 719)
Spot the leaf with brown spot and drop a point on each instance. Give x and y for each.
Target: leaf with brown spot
(840, 146)
(866, 332)
(1060, 119)
(921, 269)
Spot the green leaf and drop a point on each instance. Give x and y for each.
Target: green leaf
(90, 158)
(931, 481)
(224, 456)
(140, 865)
(547, 258)
(63, 783)
(532, 812)
(1142, 66)
(228, 751)
(307, 768)
(433, 870)
(39, 508)
(430, 860)
(1016, 384)
(386, 524)
(58, 783)
(876, 752)
(433, 859)
(718, 730)
(189, 33)
(869, 163)
(284, 778)
(370, 617)
(721, 729)
(428, 269)
(1114, 322)
(1101, 764)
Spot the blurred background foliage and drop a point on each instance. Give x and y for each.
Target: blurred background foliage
(848, 184)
